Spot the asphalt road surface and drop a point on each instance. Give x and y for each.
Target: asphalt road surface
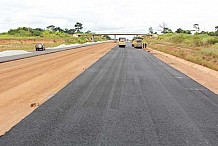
(128, 97)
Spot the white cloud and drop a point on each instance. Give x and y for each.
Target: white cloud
(109, 15)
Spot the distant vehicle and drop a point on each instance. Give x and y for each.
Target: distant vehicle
(40, 46)
(139, 43)
(122, 42)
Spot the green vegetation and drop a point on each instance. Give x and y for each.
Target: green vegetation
(199, 48)
(51, 31)
(25, 38)
(78, 27)
(187, 40)
(164, 28)
(26, 32)
(179, 30)
(196, 28)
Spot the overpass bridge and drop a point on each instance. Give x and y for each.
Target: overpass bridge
(114, 34)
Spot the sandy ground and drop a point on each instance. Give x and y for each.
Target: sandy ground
(202, 77)
(27, 83)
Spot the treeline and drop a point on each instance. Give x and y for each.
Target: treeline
(179, 30)
(196, 29)
(49, 31)
(77, 29)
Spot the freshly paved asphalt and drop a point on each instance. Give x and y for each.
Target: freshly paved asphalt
(128, 97)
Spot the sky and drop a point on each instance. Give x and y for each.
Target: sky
(109, 16)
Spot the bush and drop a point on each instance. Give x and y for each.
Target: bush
(196, 40)
(210, 40)
(213, 52)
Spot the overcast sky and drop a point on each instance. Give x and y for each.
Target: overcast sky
(109, 15)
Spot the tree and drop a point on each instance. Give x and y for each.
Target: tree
(179, 30)
(107, 37)
(166, 30)
(188, 32)
(38, 29)
(78, 27)
(66, 30)
(51, 27)
(21, 31)
(196, 27)
(151, 31)
(58, 29)
(162, 26)
(71, 31)
(89, 31)
(36, 32)
(216, 28)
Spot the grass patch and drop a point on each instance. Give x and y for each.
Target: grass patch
(201, 49)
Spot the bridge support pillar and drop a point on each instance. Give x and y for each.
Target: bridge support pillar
(93, 39)
(115, 38)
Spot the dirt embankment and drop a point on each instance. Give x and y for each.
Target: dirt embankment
(30, 41)
(203, 75)
(27, 83)
(29, 44)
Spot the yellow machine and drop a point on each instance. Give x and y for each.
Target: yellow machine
(122, 42)
(139, 43)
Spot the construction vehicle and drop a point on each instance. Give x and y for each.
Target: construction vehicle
(122, 42)
(139, 42)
